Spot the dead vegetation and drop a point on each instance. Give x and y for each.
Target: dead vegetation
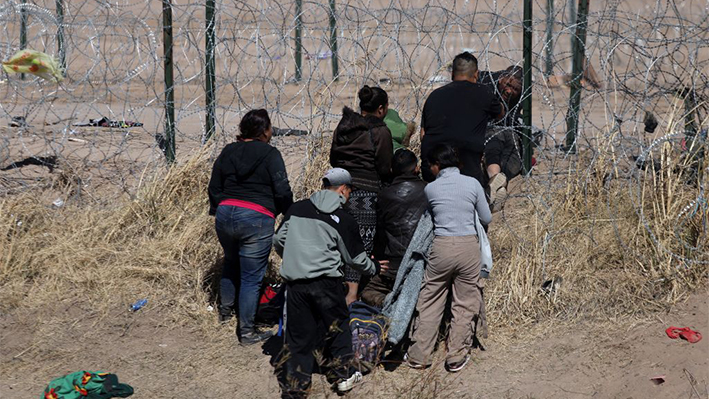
(621, 247)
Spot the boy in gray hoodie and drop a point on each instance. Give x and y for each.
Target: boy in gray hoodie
(316, 240)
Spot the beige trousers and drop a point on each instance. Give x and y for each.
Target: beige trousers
(454, 265)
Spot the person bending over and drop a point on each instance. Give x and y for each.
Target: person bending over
(502, 148)
(248, 189)
(399, 208)
(362, 145)
(316, 239)
(454, 263)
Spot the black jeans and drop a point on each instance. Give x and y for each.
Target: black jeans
(310, 306)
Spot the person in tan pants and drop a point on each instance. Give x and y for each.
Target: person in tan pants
(454, 263)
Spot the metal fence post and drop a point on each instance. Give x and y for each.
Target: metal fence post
(169, 81)
(578, 57)
(549, 46)
(333, 40)
(527, 93)
(298, 40)
(60, 34)
(210, 68)
(572, 20)
(23, 31)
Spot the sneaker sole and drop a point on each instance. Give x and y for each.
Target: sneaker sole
(457, 368)
(346, 386)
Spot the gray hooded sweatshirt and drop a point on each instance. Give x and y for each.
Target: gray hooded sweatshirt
(317, 238)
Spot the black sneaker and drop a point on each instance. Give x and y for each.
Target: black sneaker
(225, 317)
(456, 367)
(254, 337)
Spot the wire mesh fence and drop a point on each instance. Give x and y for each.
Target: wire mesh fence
(103, 128)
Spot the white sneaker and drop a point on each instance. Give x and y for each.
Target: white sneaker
(346, 385)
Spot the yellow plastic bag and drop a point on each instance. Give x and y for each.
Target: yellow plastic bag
(36, 63)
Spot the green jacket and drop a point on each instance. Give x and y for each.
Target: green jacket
(317, 237)
(397, 127)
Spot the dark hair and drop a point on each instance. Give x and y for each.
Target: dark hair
(514, 71)
(371, 98)
(254, 124)
(445, 155)
(404, 161)
(465, 64)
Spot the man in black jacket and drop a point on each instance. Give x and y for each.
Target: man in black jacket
(458, 114)
(399, 208)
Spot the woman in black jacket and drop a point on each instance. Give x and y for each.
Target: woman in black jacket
(248, 189)
(362, 145)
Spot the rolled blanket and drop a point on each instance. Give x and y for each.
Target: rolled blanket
(400, 304)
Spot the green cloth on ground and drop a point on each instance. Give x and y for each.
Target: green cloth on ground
(87, 385)
(397, 127)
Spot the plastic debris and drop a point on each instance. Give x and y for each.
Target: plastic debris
(138, 305)
(36, 63)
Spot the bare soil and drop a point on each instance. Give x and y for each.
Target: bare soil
(164, 359)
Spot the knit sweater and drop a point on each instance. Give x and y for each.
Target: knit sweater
(454, 200)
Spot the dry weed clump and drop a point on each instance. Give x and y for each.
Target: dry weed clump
(621, 246)
(159, 246)
(616, 244)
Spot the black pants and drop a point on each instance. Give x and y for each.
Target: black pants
(310, 306)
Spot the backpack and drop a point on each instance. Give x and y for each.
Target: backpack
(369, 333)
(270, 307)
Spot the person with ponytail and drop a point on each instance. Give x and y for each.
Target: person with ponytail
(362, 145)
(248, 189)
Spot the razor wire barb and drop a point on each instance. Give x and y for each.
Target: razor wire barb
(641, 57)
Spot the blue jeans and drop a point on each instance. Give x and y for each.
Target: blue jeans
(246, 238)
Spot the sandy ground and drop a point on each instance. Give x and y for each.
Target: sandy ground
(163, 359)
(166, 358)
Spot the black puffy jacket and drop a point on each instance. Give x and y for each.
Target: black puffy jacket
(399, 208)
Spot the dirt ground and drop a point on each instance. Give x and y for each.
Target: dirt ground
(164, 359)
(164, 356)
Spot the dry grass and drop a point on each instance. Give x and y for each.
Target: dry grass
(616, 243)
(617, 253)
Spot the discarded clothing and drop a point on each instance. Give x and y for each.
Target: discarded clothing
(87, 385)
(50, 162)
(685, 333)
(279, 132)
(105, 122)
(35, 63)
(400, 304)
(18, 121)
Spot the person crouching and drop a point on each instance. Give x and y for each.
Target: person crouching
(316, 240)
